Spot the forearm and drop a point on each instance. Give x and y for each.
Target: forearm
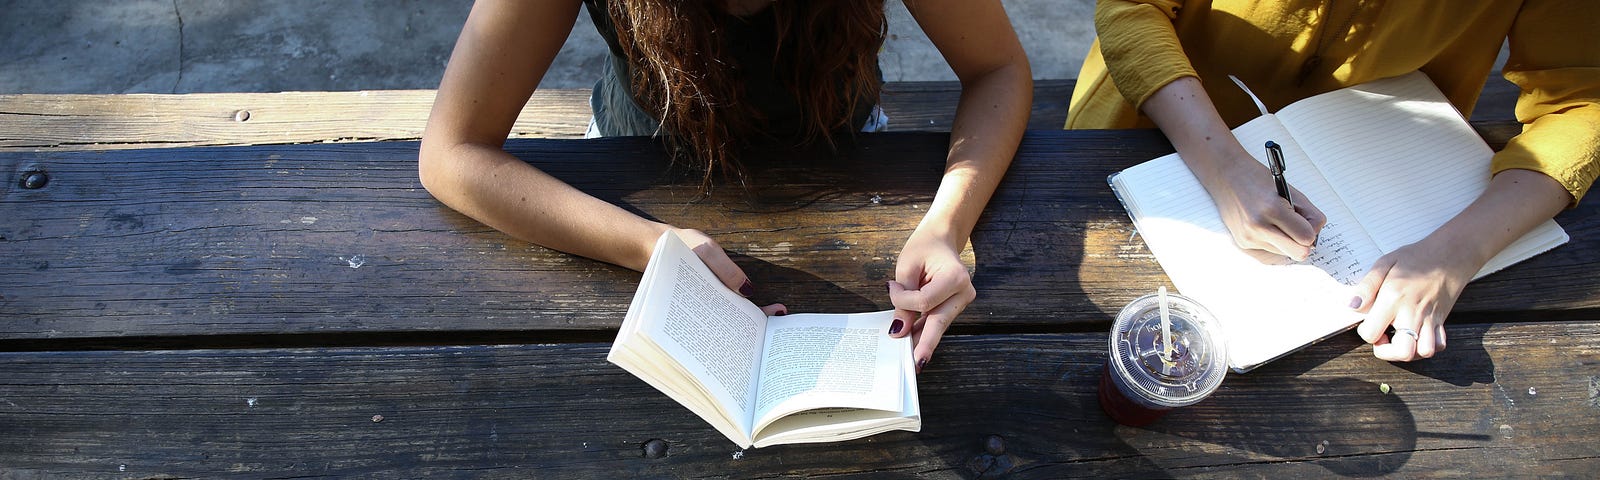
(1185, 114)
(503, 192)
(1515, 202)
(990, 119)
(502, 53)
(1240, 186)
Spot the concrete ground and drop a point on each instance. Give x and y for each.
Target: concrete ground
(183, 46)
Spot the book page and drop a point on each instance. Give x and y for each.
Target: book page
(1404, 159)
(816, 360)
(713, 333)
(1398, 153)
(644, 359)
(836, 424)
(1266, 309)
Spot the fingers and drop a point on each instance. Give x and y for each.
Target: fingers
(1310, 212)
(1294, 224)
(903, 318)
(1280, 231)
(1417, 318)
(935, 323)
(928, 311)
(1427, 345)
(776, 309)
(1379, 318)
(928, 297)
(1366, 294)
(1427, 341)
(1402, 345)
(717, 260)
(1286, 246)
(1276, 228)
(1431, 338)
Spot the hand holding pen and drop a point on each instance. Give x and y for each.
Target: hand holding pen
(1271, 229)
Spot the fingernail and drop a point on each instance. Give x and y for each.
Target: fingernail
(1355, 302)
(896, 326)
(747, 289)
(783, 312)
(920, 363)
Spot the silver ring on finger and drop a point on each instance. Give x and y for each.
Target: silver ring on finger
(1406, 331)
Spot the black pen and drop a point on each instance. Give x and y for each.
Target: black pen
(1275, 163)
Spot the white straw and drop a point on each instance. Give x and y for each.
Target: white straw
(1166, 326)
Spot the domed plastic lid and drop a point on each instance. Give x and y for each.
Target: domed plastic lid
(1151, 370)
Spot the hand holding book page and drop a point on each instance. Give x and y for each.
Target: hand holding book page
(763, 380)
(1358, 153)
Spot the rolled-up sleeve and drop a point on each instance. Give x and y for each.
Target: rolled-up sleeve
(1141, 46)
(1555, 59)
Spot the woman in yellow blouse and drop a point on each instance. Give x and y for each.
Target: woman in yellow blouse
(1165, 63)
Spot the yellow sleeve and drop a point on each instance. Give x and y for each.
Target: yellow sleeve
(1555, 58)
(1140, 46)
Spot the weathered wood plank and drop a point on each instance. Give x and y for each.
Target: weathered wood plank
(931, 106)
(1510, 400)
(342, 238)
(95, 122)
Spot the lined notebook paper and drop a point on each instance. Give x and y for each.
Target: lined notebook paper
(1388, 161)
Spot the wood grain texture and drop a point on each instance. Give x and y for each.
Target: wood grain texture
(341, 238)
(98, 122)
(1509, 400)
(95, 122)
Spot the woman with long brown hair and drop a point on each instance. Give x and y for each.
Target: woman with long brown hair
(706, 76)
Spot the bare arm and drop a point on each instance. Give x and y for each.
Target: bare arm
(1242, 188)
(1415, 287)
(502, 54)
(504, 50)
(977, 41)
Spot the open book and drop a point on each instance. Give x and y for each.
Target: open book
(1388, 161)
(763, 380)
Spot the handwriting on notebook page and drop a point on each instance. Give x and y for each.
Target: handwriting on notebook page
(1336, 255)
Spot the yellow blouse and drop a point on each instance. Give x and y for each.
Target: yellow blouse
(1292, 49)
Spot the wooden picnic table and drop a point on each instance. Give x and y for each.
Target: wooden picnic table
(277, 296)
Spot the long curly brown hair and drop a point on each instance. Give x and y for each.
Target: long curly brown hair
(683, 73)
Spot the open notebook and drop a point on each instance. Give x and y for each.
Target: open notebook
(1388, 161)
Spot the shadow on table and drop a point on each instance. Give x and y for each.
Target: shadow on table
(799, 290)
(1464, 361)
(1349, 426)
(1320, 421)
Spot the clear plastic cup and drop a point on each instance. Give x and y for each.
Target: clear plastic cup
(1143, 380)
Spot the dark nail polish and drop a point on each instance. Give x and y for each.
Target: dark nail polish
(782, 312)
(920, 363)
(1355, 302)
(896, 326)
(747, 289)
